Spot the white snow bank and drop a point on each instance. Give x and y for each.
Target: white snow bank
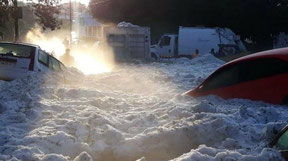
(210, 154)
(133, 113)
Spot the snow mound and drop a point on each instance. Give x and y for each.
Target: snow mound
(211, 154)
(136, 112)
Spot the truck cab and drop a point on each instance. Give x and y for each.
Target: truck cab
(167, 47)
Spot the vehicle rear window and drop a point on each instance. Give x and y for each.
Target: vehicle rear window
(16, 50)
(246, 71)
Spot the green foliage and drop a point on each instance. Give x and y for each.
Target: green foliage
(257, 20)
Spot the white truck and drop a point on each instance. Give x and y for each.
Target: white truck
(128, 42)
(217, 41)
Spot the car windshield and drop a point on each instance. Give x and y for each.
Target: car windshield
(15, 50)
(282, 142)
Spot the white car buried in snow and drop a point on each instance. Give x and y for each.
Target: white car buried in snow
(18, 59)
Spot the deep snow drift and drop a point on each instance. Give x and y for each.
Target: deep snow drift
(135, 112)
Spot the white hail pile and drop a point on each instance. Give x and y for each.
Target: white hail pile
(135, 112)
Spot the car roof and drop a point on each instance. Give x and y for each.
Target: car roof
(281, 53)
(18, 43)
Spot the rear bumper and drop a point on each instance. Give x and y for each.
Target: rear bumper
(11, 74)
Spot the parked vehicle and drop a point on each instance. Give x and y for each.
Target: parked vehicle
(261, 76)
(217, 41)
(18, 59)
(280, 141)
(128, 42)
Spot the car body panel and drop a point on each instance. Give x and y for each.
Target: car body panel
(255, 90)
(271, 88)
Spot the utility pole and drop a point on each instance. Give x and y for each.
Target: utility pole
(70, 24)
(16, 20)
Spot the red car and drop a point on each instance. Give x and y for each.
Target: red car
(261, 76)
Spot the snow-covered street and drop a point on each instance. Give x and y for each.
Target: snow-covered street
(134, 112)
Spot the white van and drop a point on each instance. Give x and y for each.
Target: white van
(18, 59)
(190, 39)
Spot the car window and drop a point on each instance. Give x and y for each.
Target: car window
(54, 64)
(261, 68)
(282, 142)
(43, 57)
(165, 41)
(16, 50)
(225, 77)
(245, 71)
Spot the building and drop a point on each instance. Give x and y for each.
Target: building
(89, 28)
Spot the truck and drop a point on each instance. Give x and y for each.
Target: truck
(128, 42)
(216, 41)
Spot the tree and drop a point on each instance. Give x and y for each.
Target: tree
(47, 12)
(3, 12)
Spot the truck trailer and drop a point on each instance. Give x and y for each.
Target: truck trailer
(216, 41)
(128, 42)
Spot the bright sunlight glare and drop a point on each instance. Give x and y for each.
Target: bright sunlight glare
(89, 65)
(51, 44)
(89, 59)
